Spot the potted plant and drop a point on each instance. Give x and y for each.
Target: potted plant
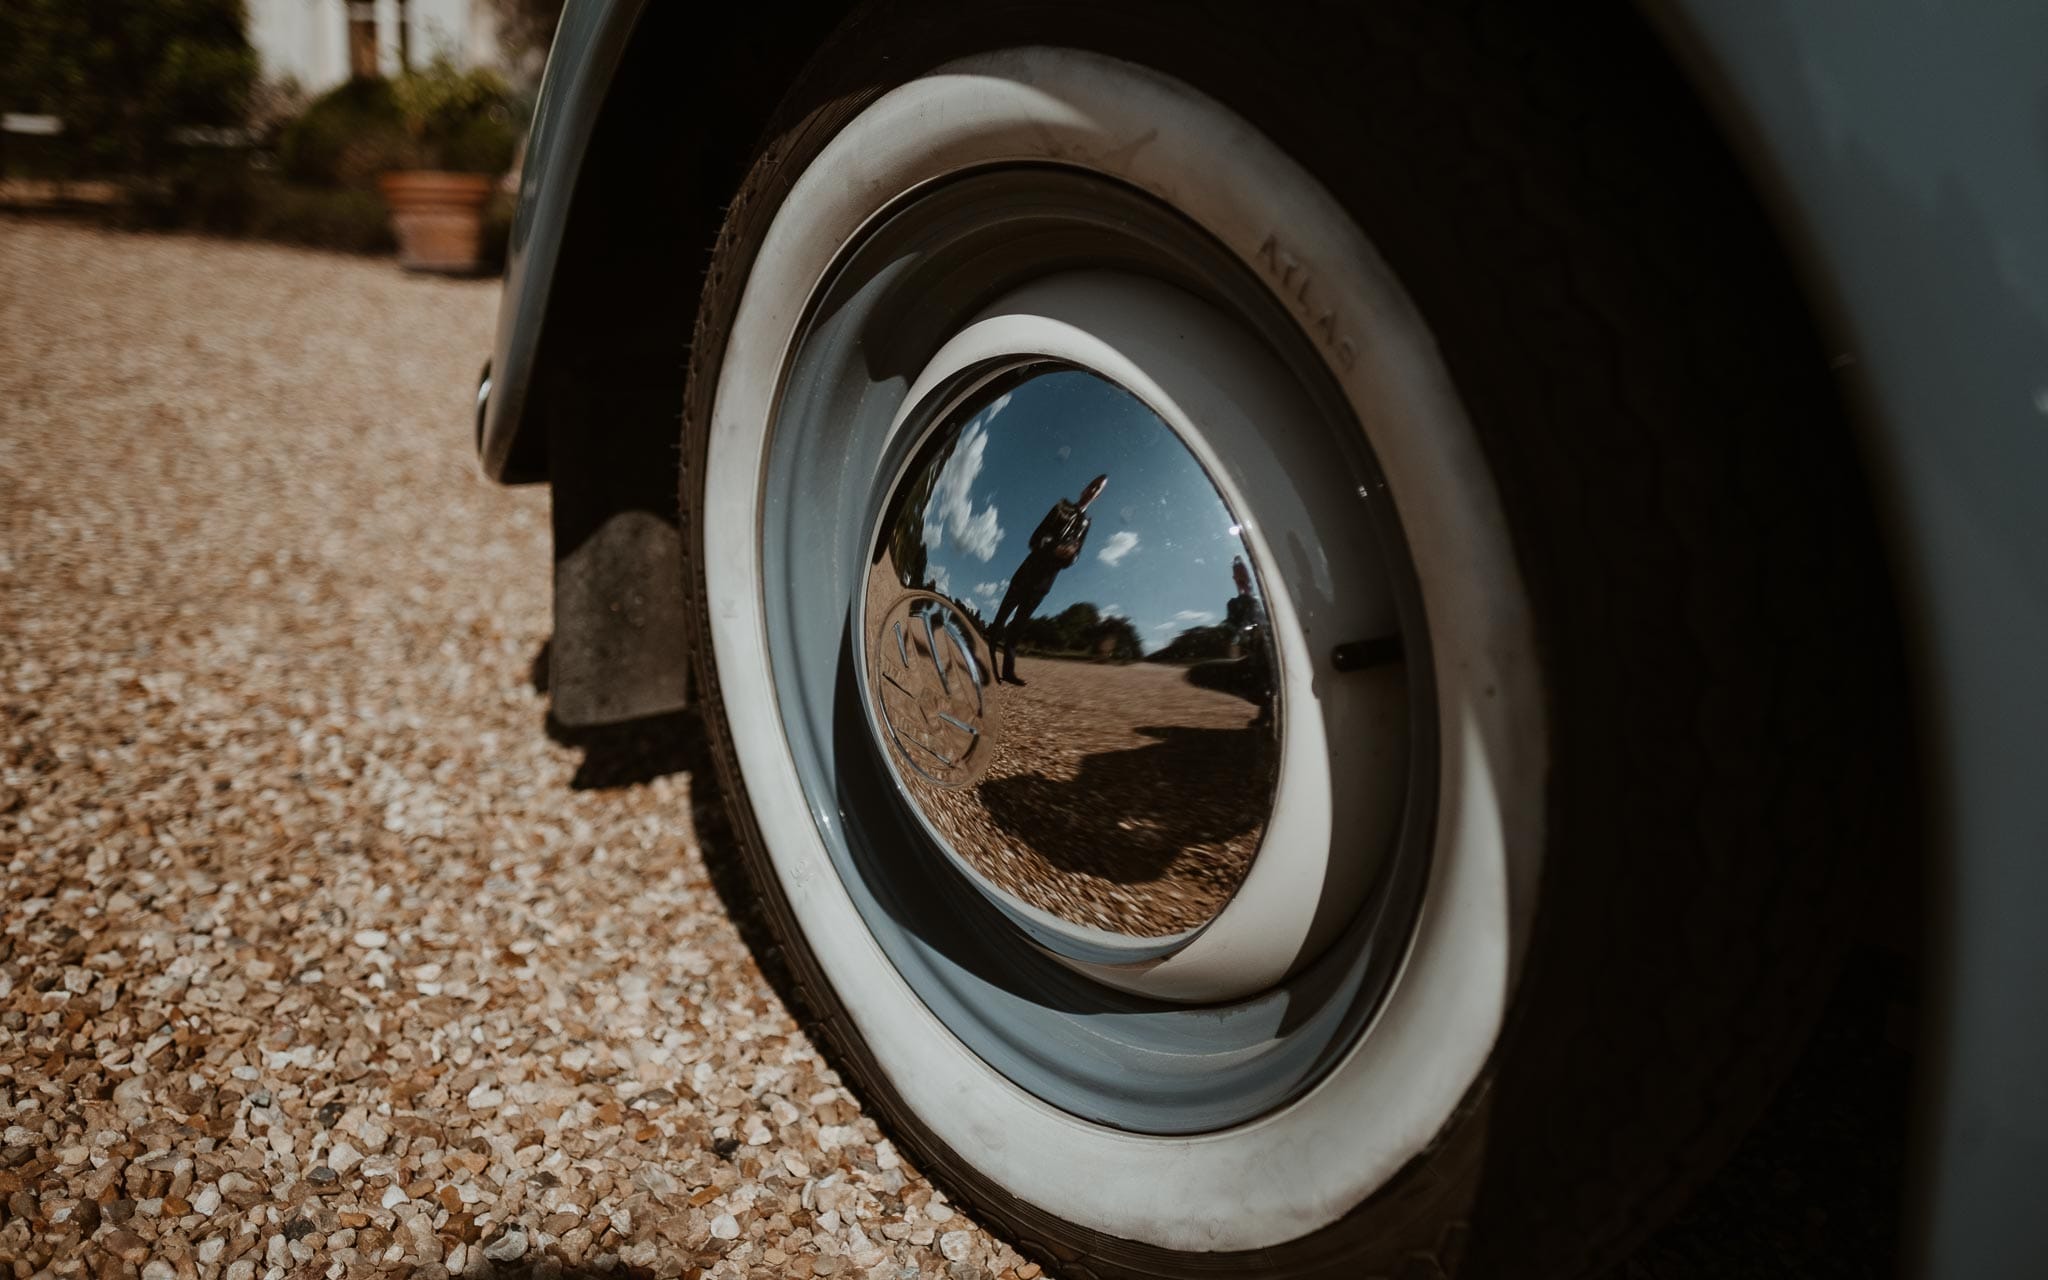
(460, 134)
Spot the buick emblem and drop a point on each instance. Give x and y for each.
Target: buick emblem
(929, 668)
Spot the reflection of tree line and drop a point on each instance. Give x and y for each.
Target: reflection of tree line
(1200, 644)
(1081, 631)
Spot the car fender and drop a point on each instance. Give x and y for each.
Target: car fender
(1905, 152)
(589, 45)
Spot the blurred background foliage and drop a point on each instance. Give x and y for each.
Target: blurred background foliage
(164, 100)
(439, 117)
(126, 76)
(466, 121)
(343, 137)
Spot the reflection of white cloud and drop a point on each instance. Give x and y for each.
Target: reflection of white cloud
(990, 590)
(1114, 611)
(951, 507)
(1121, 544)
(942, 582)
(1185, 618)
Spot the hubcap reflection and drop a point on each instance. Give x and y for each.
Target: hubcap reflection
(1067, 661)
(928, 664)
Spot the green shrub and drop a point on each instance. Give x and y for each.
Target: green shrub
(230, 199)
(464, 121)
(346, 137)
(434, 118)
(126, 75)
(481, 144)
(201, 192)
(323, 217)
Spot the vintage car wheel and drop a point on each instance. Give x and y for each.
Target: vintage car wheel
(1506, 839)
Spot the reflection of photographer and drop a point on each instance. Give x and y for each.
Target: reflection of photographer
(1242, 615)
(1055, 544)
(1248, 672)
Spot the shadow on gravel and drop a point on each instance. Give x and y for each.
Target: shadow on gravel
(628, 753)
(637, 751)
(1128, 815)
(537, 672)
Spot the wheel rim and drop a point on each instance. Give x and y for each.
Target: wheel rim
(939, 1013)
(1039, 1012)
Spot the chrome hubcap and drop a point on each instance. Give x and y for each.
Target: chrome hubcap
(927, 667)
(1069, 663)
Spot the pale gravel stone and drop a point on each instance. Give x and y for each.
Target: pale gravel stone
(508, 1246)
(343, 1157)
(270, 755)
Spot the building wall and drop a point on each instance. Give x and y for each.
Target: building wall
(307, 40)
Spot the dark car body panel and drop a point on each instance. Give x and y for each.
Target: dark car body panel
(589, 46)
(1906, 150)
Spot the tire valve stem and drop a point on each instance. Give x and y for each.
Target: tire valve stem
(1360, 655)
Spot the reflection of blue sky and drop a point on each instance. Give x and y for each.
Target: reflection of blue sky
(1160, 548)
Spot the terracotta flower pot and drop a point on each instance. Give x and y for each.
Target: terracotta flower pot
(439, 218)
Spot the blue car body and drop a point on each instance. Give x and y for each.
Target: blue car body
(1903, 147)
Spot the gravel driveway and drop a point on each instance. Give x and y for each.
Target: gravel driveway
(312, 960)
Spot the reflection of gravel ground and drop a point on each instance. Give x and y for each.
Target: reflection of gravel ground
(312, 963)
(1120, 796)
